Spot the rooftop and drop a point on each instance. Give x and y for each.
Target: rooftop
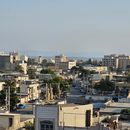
(120, 105)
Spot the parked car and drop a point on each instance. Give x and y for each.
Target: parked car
(31, 101)
(21, 106)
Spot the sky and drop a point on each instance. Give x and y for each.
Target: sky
(73, 27)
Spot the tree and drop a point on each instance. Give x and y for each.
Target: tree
(44, 62)
(47, 71)
(19, 68)
(32, 73)
(29, 126)
(128, 77)
(13, 96)
(59, 84)
(105, 85)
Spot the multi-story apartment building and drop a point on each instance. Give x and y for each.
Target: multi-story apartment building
(59, 59)
(67, 65)
(116, 61)
(63, 63)
(123, 62)
(10, 61)
(110, 61)
(6, 61)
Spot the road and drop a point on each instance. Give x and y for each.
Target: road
(27, 110)
(75, 96)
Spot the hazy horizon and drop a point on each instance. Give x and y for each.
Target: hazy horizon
(73, 27)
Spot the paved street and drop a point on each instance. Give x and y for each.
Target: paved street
(75, 96)
(27, 110)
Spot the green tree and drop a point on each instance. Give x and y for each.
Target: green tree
(105, 85)
(19, 68)
(59, 84)
(13, 96)
(47, 71)
(29, 126)
(128, 77)
(32, 73)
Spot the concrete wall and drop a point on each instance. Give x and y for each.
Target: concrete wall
(97, 127)
(74, 115)
(4, 121)
(46, 113)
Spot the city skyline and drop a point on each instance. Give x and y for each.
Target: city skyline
(84, 28)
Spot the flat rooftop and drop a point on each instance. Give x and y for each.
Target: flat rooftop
(120, 105)
(8, 114)
(111, 110)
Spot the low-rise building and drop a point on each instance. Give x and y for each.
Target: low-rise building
(60, 116)
(44, 76)
(99, 69)
(67, 65)
(9, 121)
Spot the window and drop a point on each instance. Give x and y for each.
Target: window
(88, 118)
(10, 122)
(46, 125)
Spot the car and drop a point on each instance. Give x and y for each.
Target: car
(31, 101)
(21, 106)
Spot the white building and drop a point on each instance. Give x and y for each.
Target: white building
(2, 85)
(24, 58)
(63, 116)
(67, 65)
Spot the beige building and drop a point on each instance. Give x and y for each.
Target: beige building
(97, 68)
(61, 116)
(29, 90)
(67, 65)
(9, 121)
(116, 61)
(123, 62)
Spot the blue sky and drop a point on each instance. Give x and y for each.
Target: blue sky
(73, 27)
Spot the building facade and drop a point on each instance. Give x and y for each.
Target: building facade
(116, 61)
(30, 88)
(59, 59)
(57, 117)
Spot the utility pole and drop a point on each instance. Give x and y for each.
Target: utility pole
(20, 90)
(46, 92)
(8, 99)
